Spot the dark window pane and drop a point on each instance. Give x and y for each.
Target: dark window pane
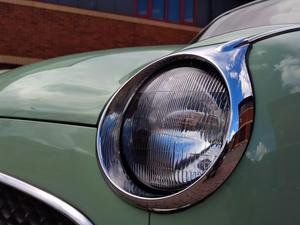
(189, 11)
(68, 2)
(88, 4)
(158, 9)
(174, 10)
(106, 5)
(125, 7)
(143, 7)
(51, 1)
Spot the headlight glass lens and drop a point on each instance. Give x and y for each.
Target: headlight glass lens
(174, 128)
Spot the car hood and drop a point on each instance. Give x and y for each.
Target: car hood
(71, 89)
(74, 89)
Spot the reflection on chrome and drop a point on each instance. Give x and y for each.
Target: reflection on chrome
(175, 131)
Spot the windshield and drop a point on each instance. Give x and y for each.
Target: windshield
(259, 13)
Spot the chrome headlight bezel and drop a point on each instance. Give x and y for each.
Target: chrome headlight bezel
(231, 66)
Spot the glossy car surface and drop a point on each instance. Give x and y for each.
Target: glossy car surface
(50, 111)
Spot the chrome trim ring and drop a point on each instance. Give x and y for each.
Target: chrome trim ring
(54, 202)
(230, 63)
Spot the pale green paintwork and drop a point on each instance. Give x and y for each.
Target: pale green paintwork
(61, 159)
(265, 187)
(73, 88)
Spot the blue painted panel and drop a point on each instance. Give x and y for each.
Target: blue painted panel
(158, 9)
(174, 11)
(189, 11)
(143, 7)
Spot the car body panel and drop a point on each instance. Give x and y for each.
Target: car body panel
(265, 187)
(61, 160)
(62, 90)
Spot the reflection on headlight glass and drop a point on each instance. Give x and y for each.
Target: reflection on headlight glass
(174, 128)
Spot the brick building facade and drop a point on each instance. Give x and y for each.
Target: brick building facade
(32, 30)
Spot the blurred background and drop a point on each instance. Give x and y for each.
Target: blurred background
(33, 30)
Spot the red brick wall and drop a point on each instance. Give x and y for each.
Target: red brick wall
(42, 33)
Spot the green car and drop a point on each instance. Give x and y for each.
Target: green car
(205, 133)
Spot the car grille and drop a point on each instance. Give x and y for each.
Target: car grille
(18, 208)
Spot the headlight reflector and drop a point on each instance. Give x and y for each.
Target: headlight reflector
(174, 128)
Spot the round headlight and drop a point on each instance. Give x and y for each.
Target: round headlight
(174, 128)
(175, 131)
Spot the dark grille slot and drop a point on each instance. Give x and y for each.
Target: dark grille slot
(18, 208)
